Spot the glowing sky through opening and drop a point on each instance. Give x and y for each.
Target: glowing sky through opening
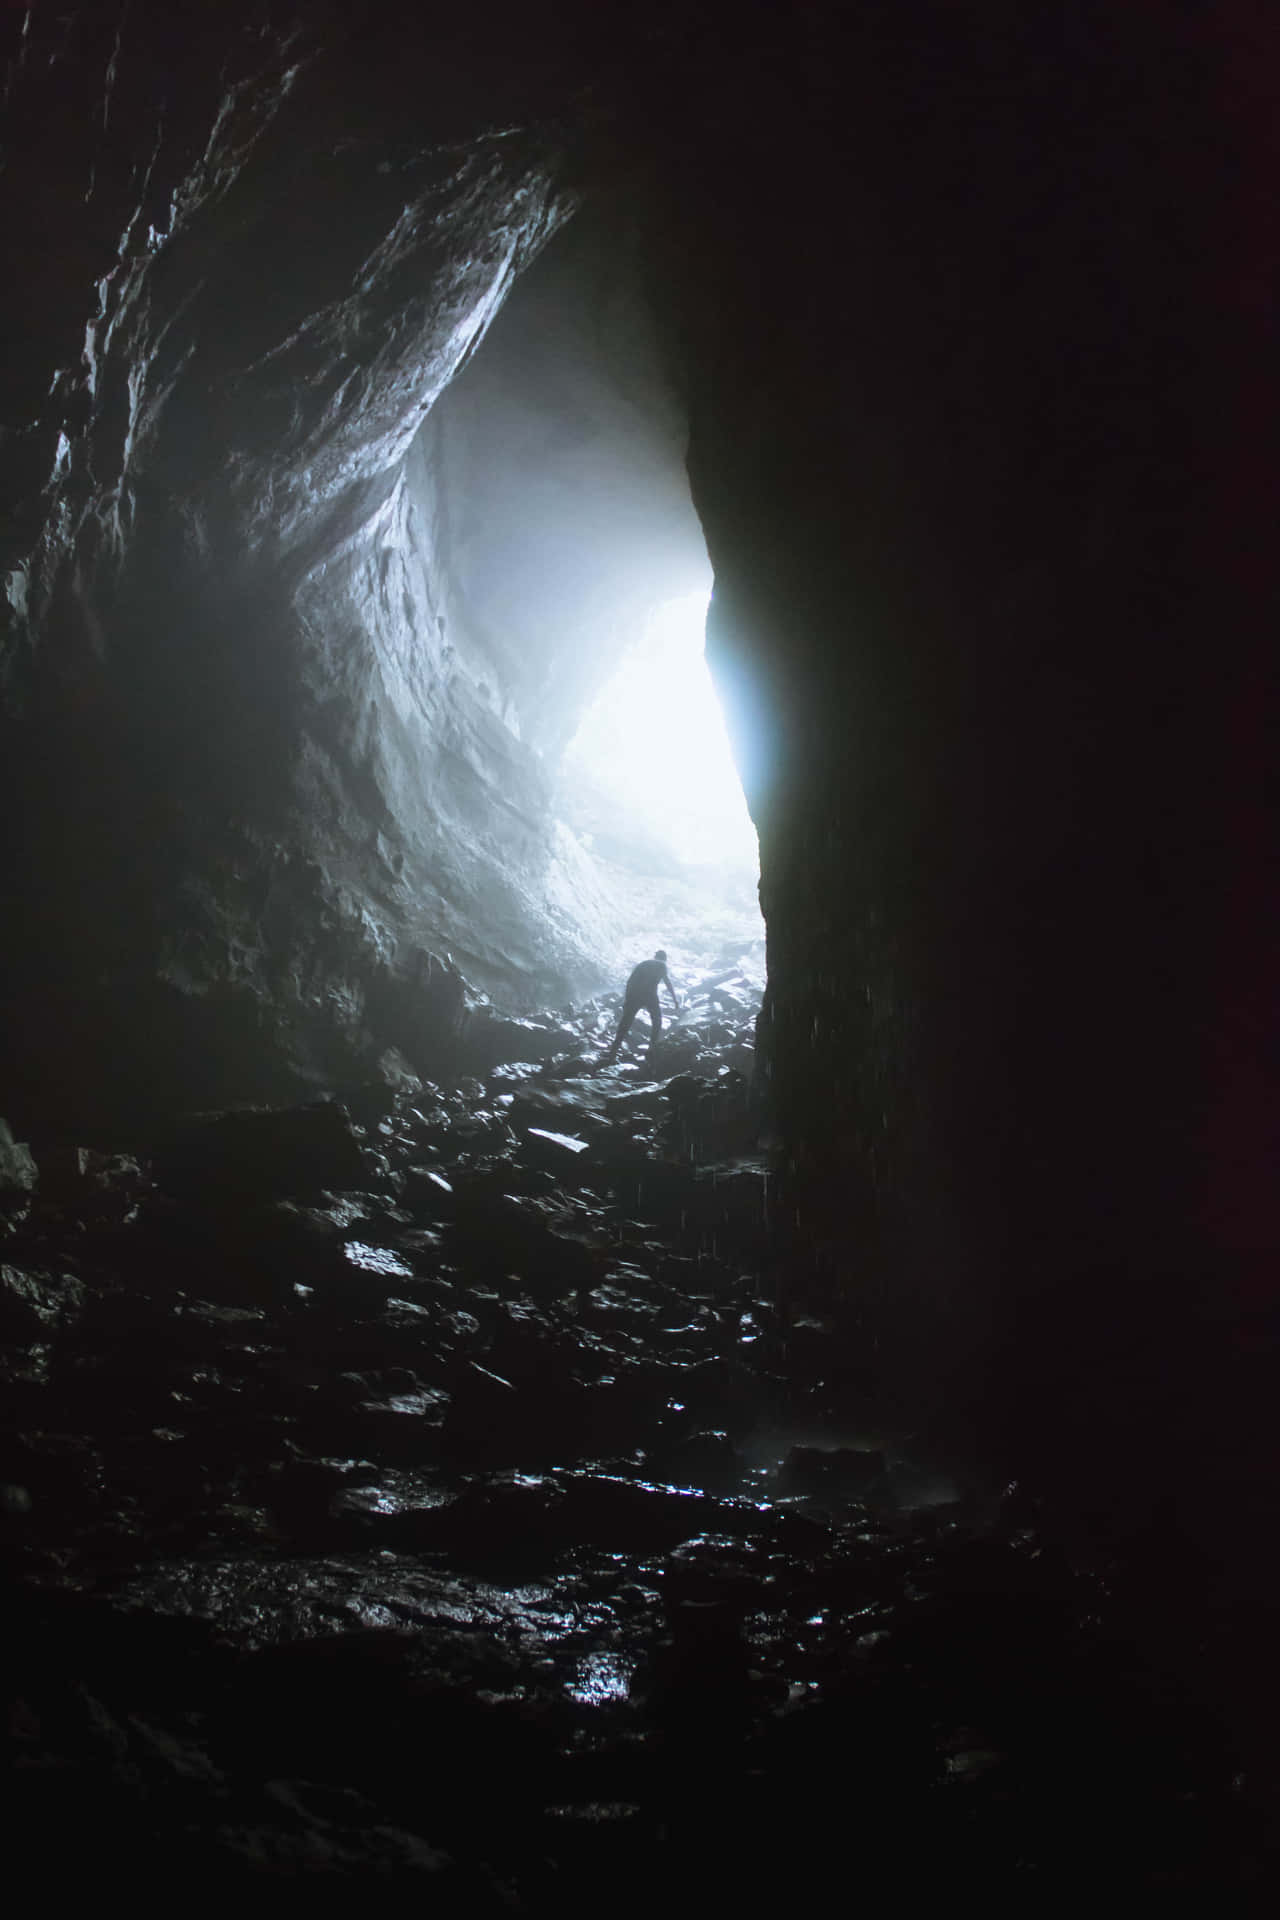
(655, 740)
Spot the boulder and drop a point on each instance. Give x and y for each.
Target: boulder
(18, 1171)
(33, 1304)
(706, 1460)
(492, 1041)
(394, 1082)
(428, 1194)
(556, 1153)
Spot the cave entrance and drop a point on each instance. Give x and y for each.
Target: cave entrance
(649, 786)
(568, 581)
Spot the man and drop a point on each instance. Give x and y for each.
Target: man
(642, 991)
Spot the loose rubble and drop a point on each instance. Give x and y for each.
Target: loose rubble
(452, 1494)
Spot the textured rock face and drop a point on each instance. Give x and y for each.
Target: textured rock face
(271, 751)
(965, 579)
(555, 466)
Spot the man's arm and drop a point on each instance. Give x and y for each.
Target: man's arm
(666, 982)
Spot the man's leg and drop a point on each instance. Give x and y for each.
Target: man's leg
(629, 1011)
(654, 1012)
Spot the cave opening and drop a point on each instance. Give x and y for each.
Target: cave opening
(439, 1445)
(556, 583)
(650, 784)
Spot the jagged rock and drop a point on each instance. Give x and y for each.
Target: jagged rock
(493, 1041)
(18, 1170)
(395, 1083)
(705, 1459)
(557, 1153)
(479, 1131)
(287, 1225)
(571, 1107)
(498, 1234)
(428, 1194)
(72, 1172)
(34, 1304)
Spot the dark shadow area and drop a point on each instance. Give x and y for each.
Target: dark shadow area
(461, 1497)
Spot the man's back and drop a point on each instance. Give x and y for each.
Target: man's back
(642, 993)
(645, 979)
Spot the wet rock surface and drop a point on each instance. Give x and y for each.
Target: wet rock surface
(457, 1498)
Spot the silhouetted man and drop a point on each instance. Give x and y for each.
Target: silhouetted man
(642, 992)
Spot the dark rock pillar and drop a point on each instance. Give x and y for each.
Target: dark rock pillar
(949, 320)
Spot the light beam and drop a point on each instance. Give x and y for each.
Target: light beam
(655, 742)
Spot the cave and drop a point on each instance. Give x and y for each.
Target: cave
(825, 1442)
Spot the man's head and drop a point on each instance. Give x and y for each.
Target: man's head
(660, 955)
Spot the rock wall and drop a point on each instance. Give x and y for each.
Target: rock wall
(557, 463)
(949, 285)
(272, 760)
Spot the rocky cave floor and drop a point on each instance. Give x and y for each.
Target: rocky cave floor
(440, 1489)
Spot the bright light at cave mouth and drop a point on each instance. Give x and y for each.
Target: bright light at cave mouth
(655, 743)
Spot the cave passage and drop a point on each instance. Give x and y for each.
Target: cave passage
(656, 739)
(826, 1448)
(650, 783)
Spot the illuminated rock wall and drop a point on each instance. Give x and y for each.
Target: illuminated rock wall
(278, 665)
